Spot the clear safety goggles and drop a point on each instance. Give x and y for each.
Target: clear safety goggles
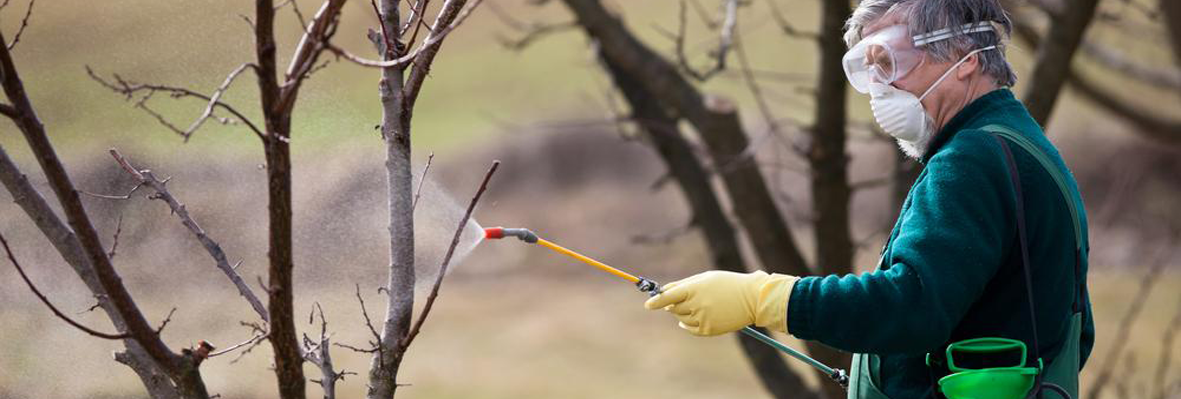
(890, 53)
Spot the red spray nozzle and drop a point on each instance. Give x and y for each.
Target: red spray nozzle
(501, 232)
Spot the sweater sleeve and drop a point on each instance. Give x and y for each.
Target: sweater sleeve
(950, 243)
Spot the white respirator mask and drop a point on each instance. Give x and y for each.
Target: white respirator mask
(888, 55)
(901, 114)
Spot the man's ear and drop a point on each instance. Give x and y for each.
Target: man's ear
(968, 67)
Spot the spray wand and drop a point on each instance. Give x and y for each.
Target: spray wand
(652, 288)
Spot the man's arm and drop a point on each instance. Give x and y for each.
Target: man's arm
(950, 244)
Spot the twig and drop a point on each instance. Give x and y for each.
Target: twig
(430, 299)
(725, 41)
(756, 92)
(421, 181)
(318, 353)
(48, 304)
(1121, 338)
(115, 240)
(416, 19)
(368, 321)
(254, 340)
(387, 48)
(298, 15)
(215, 98)
(704, 15)
(113, 197)
(431, 41)
(24, 24)
(219, 256)
(535, 32)
(532, 31)
(786, 26)
(130, 89)
(1166, 355)
(316, 36)
(167, 319)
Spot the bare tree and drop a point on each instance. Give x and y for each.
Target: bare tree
(165, 373)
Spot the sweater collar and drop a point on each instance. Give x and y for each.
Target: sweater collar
(969, 117)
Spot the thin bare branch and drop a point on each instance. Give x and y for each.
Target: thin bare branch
(417, 19)
(115, 239)
(428, 43)
(8, 110)
(314, 41)
(146, 177)
(534, 33)
(387, 45)
(1166, 355)
(24, 24)
(298, 14)
(530, 31)
(167, 319)
(318, 353)
(114, 197)
(130, 89)
(215, 99)
(725, 42)
(787, 28)
(421, 181)
(254, 340)
(1151, 277)
(1112, 58)
(368, 321)
(56, 312)
(430, 299)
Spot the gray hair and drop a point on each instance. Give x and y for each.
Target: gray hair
(924, 16)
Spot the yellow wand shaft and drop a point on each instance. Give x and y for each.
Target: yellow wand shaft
(602, 266)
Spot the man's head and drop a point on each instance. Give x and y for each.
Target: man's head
(955, 56)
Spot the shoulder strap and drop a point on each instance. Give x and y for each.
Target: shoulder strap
(1015, 178)
(1055, 174)
(1059, 180)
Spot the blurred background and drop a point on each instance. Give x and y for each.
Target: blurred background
(513, 321)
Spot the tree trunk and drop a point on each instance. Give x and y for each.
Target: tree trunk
(829, 165)
(1053, 62)
(66, 243)
(720, 237)
(280, 298)
(716, 121)
(395, 130)
(1171, 15)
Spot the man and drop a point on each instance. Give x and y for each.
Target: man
(953, 266)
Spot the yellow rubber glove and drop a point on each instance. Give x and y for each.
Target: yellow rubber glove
(717, 302)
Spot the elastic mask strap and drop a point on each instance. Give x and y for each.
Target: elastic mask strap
(953, 67)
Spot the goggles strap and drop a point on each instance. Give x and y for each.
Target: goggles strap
(947, 33)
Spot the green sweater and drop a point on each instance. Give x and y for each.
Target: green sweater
(951, 269)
